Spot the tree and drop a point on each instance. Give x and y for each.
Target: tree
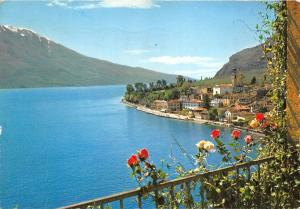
(158, 84)
(213, 114)
(171, 94)
(129, 89)
(140, 87)
(151, 86)
(180, 80)
(185, 88)
(206, 101)
(163, 83)
(253, 80)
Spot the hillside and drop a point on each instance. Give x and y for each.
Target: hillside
(30, 60)
(249, 61)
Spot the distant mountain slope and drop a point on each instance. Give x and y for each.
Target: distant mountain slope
(30, 60)
(249, 61)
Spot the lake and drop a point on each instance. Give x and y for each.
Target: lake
(64, 145)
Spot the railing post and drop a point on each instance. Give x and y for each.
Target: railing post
(102, 205)
(202, 193)
(259, 189)
(249, 173)
(238, 192)
(139, 201)
(270, 192)
(121, 204)
(258, 171)
(156, 198)
(173, 200)
(188, 196)
(185, 188)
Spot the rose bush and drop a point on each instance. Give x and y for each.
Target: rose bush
(275, 184)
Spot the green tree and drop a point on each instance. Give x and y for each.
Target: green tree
(158, 84)
(206, 101)
(129, 89)
(151, 86)
(213, 114)
(253, 80)
(163, 83)
(180, 80)
(140, 87)
(184, 89)
(171, 94)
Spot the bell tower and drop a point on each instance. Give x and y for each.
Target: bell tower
(234, 80)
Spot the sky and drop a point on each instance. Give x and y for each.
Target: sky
(191, 38)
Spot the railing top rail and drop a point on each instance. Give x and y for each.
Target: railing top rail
(175, 182)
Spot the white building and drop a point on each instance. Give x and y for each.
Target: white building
(191, 104)
(222, 89)
(216, 102)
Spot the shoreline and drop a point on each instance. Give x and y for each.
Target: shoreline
(186, 118)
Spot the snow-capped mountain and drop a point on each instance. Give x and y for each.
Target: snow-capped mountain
(31, 60)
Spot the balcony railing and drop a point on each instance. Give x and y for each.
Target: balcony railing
(168, 185)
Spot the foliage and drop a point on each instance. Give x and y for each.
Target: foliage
(217, 190)
(273, 185)
(145, 94)
(206, 101)
(283, 173)
(180, 80)
(253, 80)
(213, 114)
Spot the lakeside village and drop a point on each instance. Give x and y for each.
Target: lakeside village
(234, 103)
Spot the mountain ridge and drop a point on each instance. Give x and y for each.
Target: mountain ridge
(248, 61)
(31, 60)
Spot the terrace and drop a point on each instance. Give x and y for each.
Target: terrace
(269, 179)
(242, 170)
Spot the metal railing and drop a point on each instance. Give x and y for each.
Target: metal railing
(170, 185)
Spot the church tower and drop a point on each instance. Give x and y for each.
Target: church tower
(234, 80)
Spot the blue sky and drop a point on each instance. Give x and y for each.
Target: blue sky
(192, 38)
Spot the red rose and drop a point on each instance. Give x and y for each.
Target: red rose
(248, 139)
(132, 161)
(274, 126)
(143, 154)
(215, 133)
(265, 124)
(236, 134)
(260, 116)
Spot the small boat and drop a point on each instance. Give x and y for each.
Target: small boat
(0, 130)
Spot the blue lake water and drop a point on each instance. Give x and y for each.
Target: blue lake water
(64, 145)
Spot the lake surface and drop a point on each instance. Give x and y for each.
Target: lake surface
(64, 145)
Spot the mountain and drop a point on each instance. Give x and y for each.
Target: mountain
(249, 61)
(30, 60)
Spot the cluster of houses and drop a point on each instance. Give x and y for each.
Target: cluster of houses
(234, 102)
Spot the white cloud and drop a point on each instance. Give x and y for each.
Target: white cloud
(71, 4)
(169, 60)
(196, 73)
(142, 4)
(203, 66)
(74, 4)
(136, 51)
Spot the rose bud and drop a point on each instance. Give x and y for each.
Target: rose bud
(143, 154)
(215, 133)
(209, 147)
(264, 125)
(260, 116)
(236, 134)
(200, 144)
(248, 139)
(132, 161)
(254, 124)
